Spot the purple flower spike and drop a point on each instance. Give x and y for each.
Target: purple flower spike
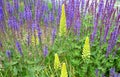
(112, 41)
(0, 44)
(101, 7)
(46, 21)
(112, 72)
(77, 27)
(107, 27)
(82, 4)
(1, 14)
(28, 13)
(118, 74)
(10, 8)
(95, 27)
(8, 54)
(16, 5)
(18, 46)
(51, 17)
(45, 51)
(96, 71)
(13, 23)
(39, 32)
(53, 35)
(21, 18)
(1, 2)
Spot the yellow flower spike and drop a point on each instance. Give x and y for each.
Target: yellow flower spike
(64, 71)
(56, 62)
(35, 39)
(62, 28)
(86, 50)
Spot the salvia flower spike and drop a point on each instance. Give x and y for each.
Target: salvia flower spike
(18, 46)
(86, 50)
(56, 62)
(45, 51)
(8, 54)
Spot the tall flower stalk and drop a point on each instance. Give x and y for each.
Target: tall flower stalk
(62, 28)
(56, 62)
(18, 46)
(86, 50)
(64, 71)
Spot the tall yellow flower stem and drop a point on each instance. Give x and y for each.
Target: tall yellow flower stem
(62, 28)
(56, 62)
(64, 71)
(86, 49)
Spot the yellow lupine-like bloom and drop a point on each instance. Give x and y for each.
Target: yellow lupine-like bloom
(64, 71)
(56, 62)
(86, 49)
(62, 28)
(35, 39)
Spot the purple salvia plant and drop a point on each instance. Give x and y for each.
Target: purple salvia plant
(25, 3)
(95, 28)
(1, 3)
(112, 3)
(107, 27)
(118, 20)
(27, 13)
(33, 1)
(0, 44)
(77, 26)
(96, 72)
(67, 15)
(39, 32)
(101, 6)
(53, 5)
(45, 51)
(58, 14)
(53, 34)
(118, 74)
(51, 17)
(13, 23)
(16, 5)
(112, 41)
(8, 54)
(42, 10)
(1, 14)
(37, 10)
(112, 72)
(34, 25)
(30, 4)
(82, 5)
(46, 21)
(71, 12)
(115, 75)
(92, 7)
(18, 46)
(77, 21)
(2, 19)
(10, 9)
(113, 38)
(86, 7)
(21, 18)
